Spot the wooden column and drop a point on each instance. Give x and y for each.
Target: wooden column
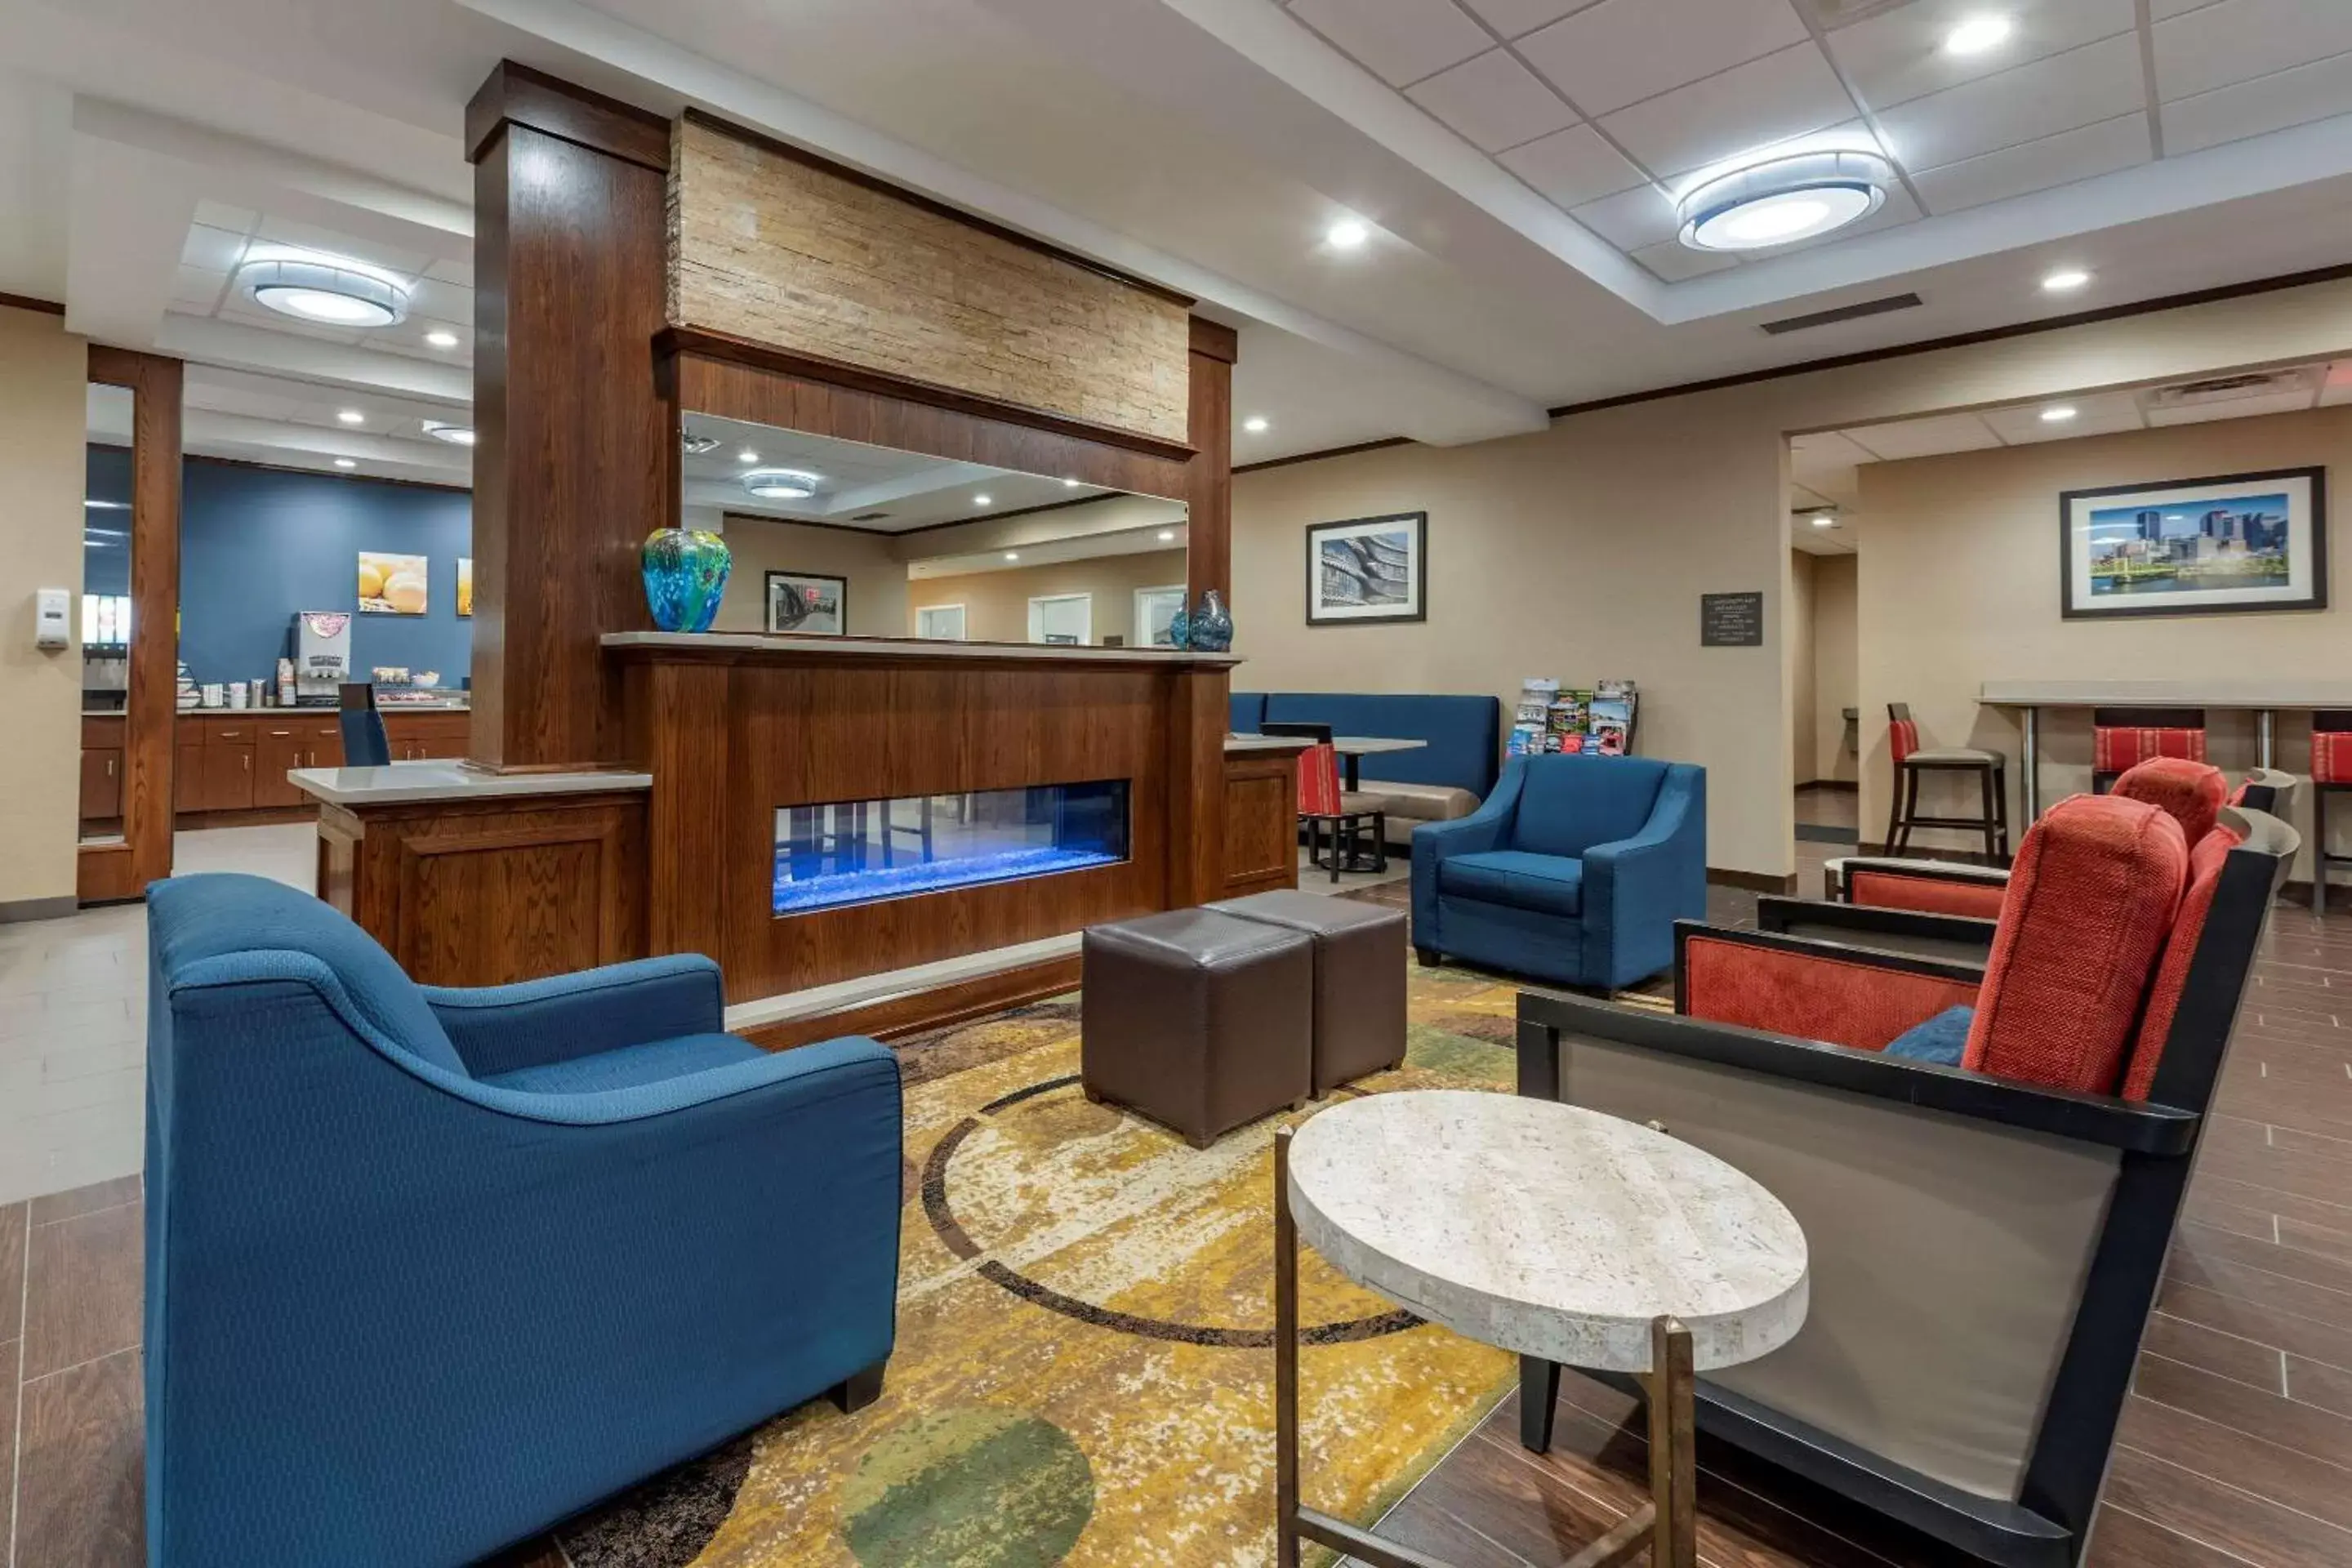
(1208, 541)
(1201, 714)
(574, 460)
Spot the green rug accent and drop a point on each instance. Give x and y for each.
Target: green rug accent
(979, 1487)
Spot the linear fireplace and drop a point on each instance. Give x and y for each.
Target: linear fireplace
(854, 852)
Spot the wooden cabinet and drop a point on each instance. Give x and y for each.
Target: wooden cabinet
(281, 748)
(101, 784)
(227, 783)
(416, 737)
(237, 761)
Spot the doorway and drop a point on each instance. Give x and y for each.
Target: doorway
(1825, 742)
(1062, 618)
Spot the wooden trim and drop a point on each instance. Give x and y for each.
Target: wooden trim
(1842, 786)
(1214, 340)
(1384, 441)
(320, 474)
(515, 94)
(1753, 881)
(895, 1017)
(25, 302)
(933, 205)
(1209, 498)
(702, 344)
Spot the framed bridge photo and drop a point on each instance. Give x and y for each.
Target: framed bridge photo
(2196, 547)
(1367, 569)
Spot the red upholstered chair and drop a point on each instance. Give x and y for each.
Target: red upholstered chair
(1914, 761)
(1323, 804)
(2331, 771)
(2122, 738)
(1986, 1237)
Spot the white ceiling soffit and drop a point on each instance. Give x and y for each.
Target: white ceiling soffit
(1446, 407)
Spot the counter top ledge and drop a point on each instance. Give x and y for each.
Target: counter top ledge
(727, 644)
(401, 783)
(2223, 693)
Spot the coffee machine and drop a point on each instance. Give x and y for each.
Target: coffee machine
(322, 657)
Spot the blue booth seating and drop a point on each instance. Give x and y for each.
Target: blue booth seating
(1574, 871)
(429, 1270)
(1445, 781)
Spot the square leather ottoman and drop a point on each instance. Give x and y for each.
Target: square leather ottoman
(1360, 978)
(1199, 1020)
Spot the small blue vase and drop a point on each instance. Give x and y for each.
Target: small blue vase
(1213, 624)
(686, 576)
(1179, 630)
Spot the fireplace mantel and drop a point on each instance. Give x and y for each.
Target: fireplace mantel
(736, 648)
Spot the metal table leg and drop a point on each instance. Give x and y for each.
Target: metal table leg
(2031, 782)
(2265, 726)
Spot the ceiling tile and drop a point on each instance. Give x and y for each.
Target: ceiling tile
(2314, 91)
(1671, 261)
(2060, 160)
(198, 289)
(458, 272)
(1573, 166)
(1631, 219)
(214, 250)
(1398, 41)
(2160, 9)
(1513, 17)
(220, 214)
(1899, 55)
(2238, 408)
(1621, 51)
(1826, 451)
(326, 242)
(2239, 39)
(1747, 108)
(1495, 101)
(443, 302)
(2098, 413)
(2338, 388)
(2098, 81)
(1926, 438)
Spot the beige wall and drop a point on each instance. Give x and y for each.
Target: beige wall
(1959, 584)
(996, 604)
(1803, 717)
(878, 579)
(1836, 648)
(43, 397)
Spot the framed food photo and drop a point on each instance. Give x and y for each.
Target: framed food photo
(2225, 545)
(808, 602)
(392, 585)
(1367, 569)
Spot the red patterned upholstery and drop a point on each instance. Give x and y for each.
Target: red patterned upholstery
(1809, 995)
(2238, 795)
(2331, 756)
(1902, 738)
(2117, 748)
(2090, 900)
(1319, 781)
(1929, 895)
(2190, 793)
(2205, 864)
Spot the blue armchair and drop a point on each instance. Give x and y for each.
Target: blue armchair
(428, 1270)
(1574, 871)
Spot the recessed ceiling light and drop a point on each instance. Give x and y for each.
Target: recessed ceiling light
(747, 456)
(1824, 520)
(696, 445)
(345, 463)
(1976, 35)
(324, 291)
(1783, 200)
(1167, 534)
(981, 501)
(781, 484)
(2065, 281)
(1348, 234)
(351, 417)
(455, 435)
(1254, 423)
(1069, 484)
(2058, 414)
(442, 338)
(1012, 555)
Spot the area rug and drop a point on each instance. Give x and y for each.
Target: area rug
(1084, 1371)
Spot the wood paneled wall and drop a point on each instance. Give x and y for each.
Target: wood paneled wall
(772, 245)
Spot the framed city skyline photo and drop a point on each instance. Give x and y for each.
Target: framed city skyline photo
(1367, 569)
(814, 602)
(2225, 545)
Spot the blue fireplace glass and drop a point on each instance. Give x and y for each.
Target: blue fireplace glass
(854, 852)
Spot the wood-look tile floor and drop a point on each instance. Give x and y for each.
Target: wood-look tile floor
(2236, 1447)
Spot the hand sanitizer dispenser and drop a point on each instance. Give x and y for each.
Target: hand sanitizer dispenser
(52, 626)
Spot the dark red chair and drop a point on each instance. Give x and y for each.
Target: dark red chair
(2122, 738)
(1913, 762)
(1324, 805)
(2331, 771)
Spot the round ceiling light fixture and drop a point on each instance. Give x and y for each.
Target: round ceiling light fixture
(781, 484)
(455, 435)
(324, 292)
(1348, 234)
(1783, 200)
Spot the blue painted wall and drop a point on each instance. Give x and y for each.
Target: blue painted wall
(259, 544)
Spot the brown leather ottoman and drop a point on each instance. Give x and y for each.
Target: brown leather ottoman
(1198, 1020)
(1360, 978)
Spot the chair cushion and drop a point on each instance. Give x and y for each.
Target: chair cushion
(215, 914)
(1925, 894)
(2118, 748)
(1426, 802)
(1942, 1039)
(2090, 900)
(1953, 757)
(2205, 863)
(2190, 792)
(1514, 877)
(1567, 804)
(656, 1061)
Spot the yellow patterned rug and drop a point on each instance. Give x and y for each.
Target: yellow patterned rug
(1084, 1372)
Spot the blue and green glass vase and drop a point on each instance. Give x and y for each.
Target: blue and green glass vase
(686, 576)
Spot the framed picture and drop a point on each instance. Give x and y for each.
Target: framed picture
(392, 585)
(2196, 547)
(1367, 569)
(811, 602)
(465, 584)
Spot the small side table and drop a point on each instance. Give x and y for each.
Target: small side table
(1547, 1229)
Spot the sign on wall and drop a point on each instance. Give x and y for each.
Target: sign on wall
(1731, 620)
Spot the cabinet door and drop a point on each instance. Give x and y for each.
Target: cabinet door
(324, 746)
(276, 753)
(101, 784)
(228, 778)
(188, 774)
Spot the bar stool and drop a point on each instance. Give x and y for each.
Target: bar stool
(2331, 771)
(2122, 738)
(1912, 759)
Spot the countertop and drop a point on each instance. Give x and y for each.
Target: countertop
(324, 710)
(2291, 691)
(399, 784)
(723, 644)
(1240, 745)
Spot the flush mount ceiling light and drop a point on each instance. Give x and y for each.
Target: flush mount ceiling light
(697, 445)
(351, 417)
(1976, 35)
(981, 501)
(1166, 534)
(781, 484)
(322, 291)
(1783, 200)
(1348, 234)
(1254, 423)
(345, 463)
(747, 456)
(2065, 281)
(441, 338)
(2058, 414)
(1069, 484)
(1012, 555)
(455, 435)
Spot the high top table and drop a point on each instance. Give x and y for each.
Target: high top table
(1554, 1231)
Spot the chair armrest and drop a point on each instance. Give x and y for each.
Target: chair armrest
(1483, 829)
(1860, 997)
(2148, 1129)
(1956, 937)
(1938, 887)
(503, 1028)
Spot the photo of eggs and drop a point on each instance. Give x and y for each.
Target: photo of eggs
(465, 584)
(392, 584)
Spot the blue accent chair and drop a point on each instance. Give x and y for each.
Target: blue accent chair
(1574, 871)
(429, 1270)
